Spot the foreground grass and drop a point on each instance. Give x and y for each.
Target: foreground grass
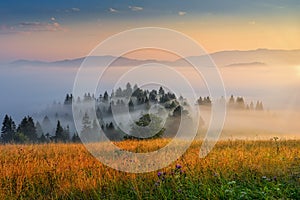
(233, 170)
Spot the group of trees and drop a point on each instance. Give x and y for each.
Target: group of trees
(30, 132)
(234, 103)
(204, 101)
(137, 100)
(240, 104)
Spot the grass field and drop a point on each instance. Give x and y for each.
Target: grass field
(233, 170)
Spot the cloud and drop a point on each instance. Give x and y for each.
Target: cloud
(112, 10)
(72, 10)
(135, 8)
(30, 27)
(52, 18)
(181, 13)
(75, 9)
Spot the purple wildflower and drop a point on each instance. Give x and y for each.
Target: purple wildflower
(159, 174)
(178, 166)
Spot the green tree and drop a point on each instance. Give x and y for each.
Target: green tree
(146, 124)
(153, 96)
(8, 129)
(28, 128)
(240, 104)
(21, 138)
(131, 105)
(128, 90)
(105, 96)
(59, 132)
(86, 132)
(161, 91)
(200, 101)
(231, 100)
(76, 138)
(43, 139)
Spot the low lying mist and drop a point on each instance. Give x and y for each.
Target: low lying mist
(246, 124)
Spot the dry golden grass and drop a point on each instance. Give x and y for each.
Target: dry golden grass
(50, 171)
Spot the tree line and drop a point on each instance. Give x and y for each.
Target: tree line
(29, 132)
(237, 103)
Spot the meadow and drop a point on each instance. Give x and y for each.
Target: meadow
(235, 169)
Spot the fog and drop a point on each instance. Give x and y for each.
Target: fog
(245, 124)
(29, 90)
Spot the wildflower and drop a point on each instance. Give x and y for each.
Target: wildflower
(159, 174)
(178, 166)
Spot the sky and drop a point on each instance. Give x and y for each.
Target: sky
(55, 30)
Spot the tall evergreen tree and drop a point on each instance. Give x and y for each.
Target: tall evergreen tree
(128, 90)
(105, 96)
(86, 132)
(131, 105)
(27, 127)
(59, 133)
(8, 129)
(76, 138)
(161, 91)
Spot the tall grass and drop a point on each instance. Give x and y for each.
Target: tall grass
(233, 170)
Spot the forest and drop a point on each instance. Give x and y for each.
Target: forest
(56, 123)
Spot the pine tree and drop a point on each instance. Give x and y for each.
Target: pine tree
(27, 128)
(200, 101)
(240, 104)
(59, 133)
(43, 139)
(131, 105)
(161, 91)
(177, 111)
(105, 96)
(8, 129)
(135, 87)
(153, 96)
(76, 138)
(67, 99)
(86, 132)
(128, 90)
(66, 135)
(231, 101)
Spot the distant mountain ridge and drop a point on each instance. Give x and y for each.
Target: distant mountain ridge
(231, 58)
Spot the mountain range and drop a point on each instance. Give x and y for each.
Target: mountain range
(234, 58)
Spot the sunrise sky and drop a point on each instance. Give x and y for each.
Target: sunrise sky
(53, 30)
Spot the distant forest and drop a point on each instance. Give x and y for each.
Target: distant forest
(55, 123)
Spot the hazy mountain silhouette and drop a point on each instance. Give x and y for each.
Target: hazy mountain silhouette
(257, 64)
(234, 58)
